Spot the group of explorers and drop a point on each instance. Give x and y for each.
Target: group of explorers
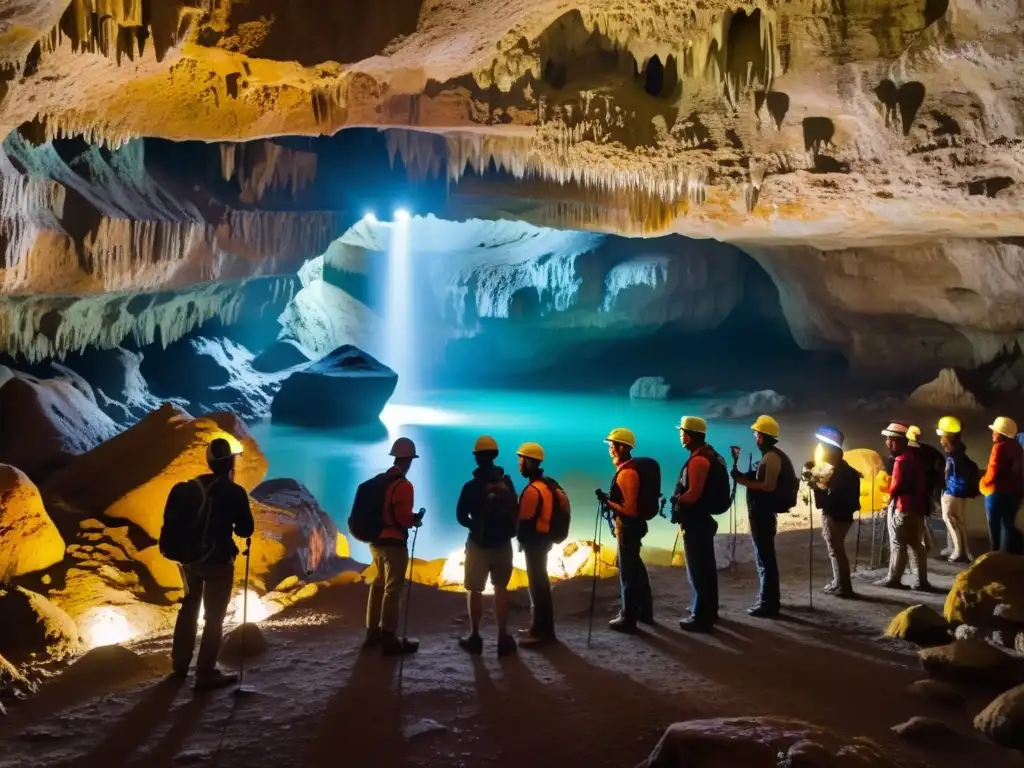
(202, 516)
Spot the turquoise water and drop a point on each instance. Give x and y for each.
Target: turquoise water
(444, 425)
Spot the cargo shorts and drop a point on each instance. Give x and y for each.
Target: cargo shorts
(481, 563)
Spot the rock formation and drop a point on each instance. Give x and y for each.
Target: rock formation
(34, 628)
(945, 391)
(31, 542)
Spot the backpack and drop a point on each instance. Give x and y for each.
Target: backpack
(366, 521)
(934, 468)
(500, 518)
(183, 535)
(787, 487)
(649, 497)
(971, 476)
(561, 514)
(717, 495)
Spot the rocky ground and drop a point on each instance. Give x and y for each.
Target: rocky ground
(319, 701)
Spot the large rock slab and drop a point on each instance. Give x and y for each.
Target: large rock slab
(34, 629)
(345, 388)
(1003, 720)
(281, 355)
(61, 416)
(762, 742)
(987, 593)
(972, 661)
(129, 476)
(30, 540)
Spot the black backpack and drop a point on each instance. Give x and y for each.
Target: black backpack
(366, 521)
(972, 477)
(561, 514)
(788, 484)
(934, 468)
(500, 518)
(184, 535)
(649, 497)
(717, 496)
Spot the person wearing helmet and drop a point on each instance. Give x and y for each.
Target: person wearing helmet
(770, 492)
(933, 462)
(1003, 486)
(837, 495)
(961, 478)
(630, 529)
(692, 511)
(489, 507)
(390, 554)
(220, 509)
(536, 504)
(908, 501)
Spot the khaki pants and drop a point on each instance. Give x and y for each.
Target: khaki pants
(954, 513)
(385, 601)
(835, 532)
(209, 586)
(906, 535)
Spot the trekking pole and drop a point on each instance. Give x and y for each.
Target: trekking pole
(810, 550)
(735, 450)
(597, 564)
(241, 690)
(408, 601)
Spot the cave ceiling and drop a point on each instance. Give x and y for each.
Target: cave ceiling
(845, 123)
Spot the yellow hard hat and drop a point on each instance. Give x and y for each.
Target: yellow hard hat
(621, 435)
(913, 433)
(693, 424)
(223, 446)
(404, 448)
(531, 451)
(1004, 426)
(948, 425)
(485, 443)
(766, 425)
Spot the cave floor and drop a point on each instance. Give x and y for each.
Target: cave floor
(320, 702)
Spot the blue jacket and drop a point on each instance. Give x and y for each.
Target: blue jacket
(958, 475)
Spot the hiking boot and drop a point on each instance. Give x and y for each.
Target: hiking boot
(648, 619)
(846, 593)
(926, 587)
(372, 639)
(535, 639)
(692, 624)
(178, 674)
(959, 559)
(392, 645)
(213, 679)
(473, 644)
(831, 588)
(763, 612)
(623, 625)
(506, 646)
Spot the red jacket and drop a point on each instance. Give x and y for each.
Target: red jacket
(1004, 474)
(907, 487)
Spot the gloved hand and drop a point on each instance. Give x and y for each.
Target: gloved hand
(601, 496)
(735, 474)
(417, 519)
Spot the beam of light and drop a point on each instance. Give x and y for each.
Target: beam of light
(396, 415)
(399, 318)
(106, 626)
(258, 608)
(369, 217)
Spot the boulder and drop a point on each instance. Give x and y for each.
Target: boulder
(650, 388)
(919, 624)
(294, 536)
(347, 387)
(1018, 643)
(750, 404)
(282, 355)
(995, 579)
(129, 476)
(972, 661)
(61, 415)
(762, 742)
(34, 628)
(1010, 612)
(928, 731)
(243, 642)
(967, 632)
(1002, 721)
(31, 542)
(945, 391)
(938, 692)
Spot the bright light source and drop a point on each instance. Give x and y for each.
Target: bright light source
(258, 608)
(106, 626)
(401, 214)
(369, 218)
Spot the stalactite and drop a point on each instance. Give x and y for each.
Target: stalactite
(295, 235)
(262, 165)
(104, 320)
(120, 249)
(28, 205)
(89, 129)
